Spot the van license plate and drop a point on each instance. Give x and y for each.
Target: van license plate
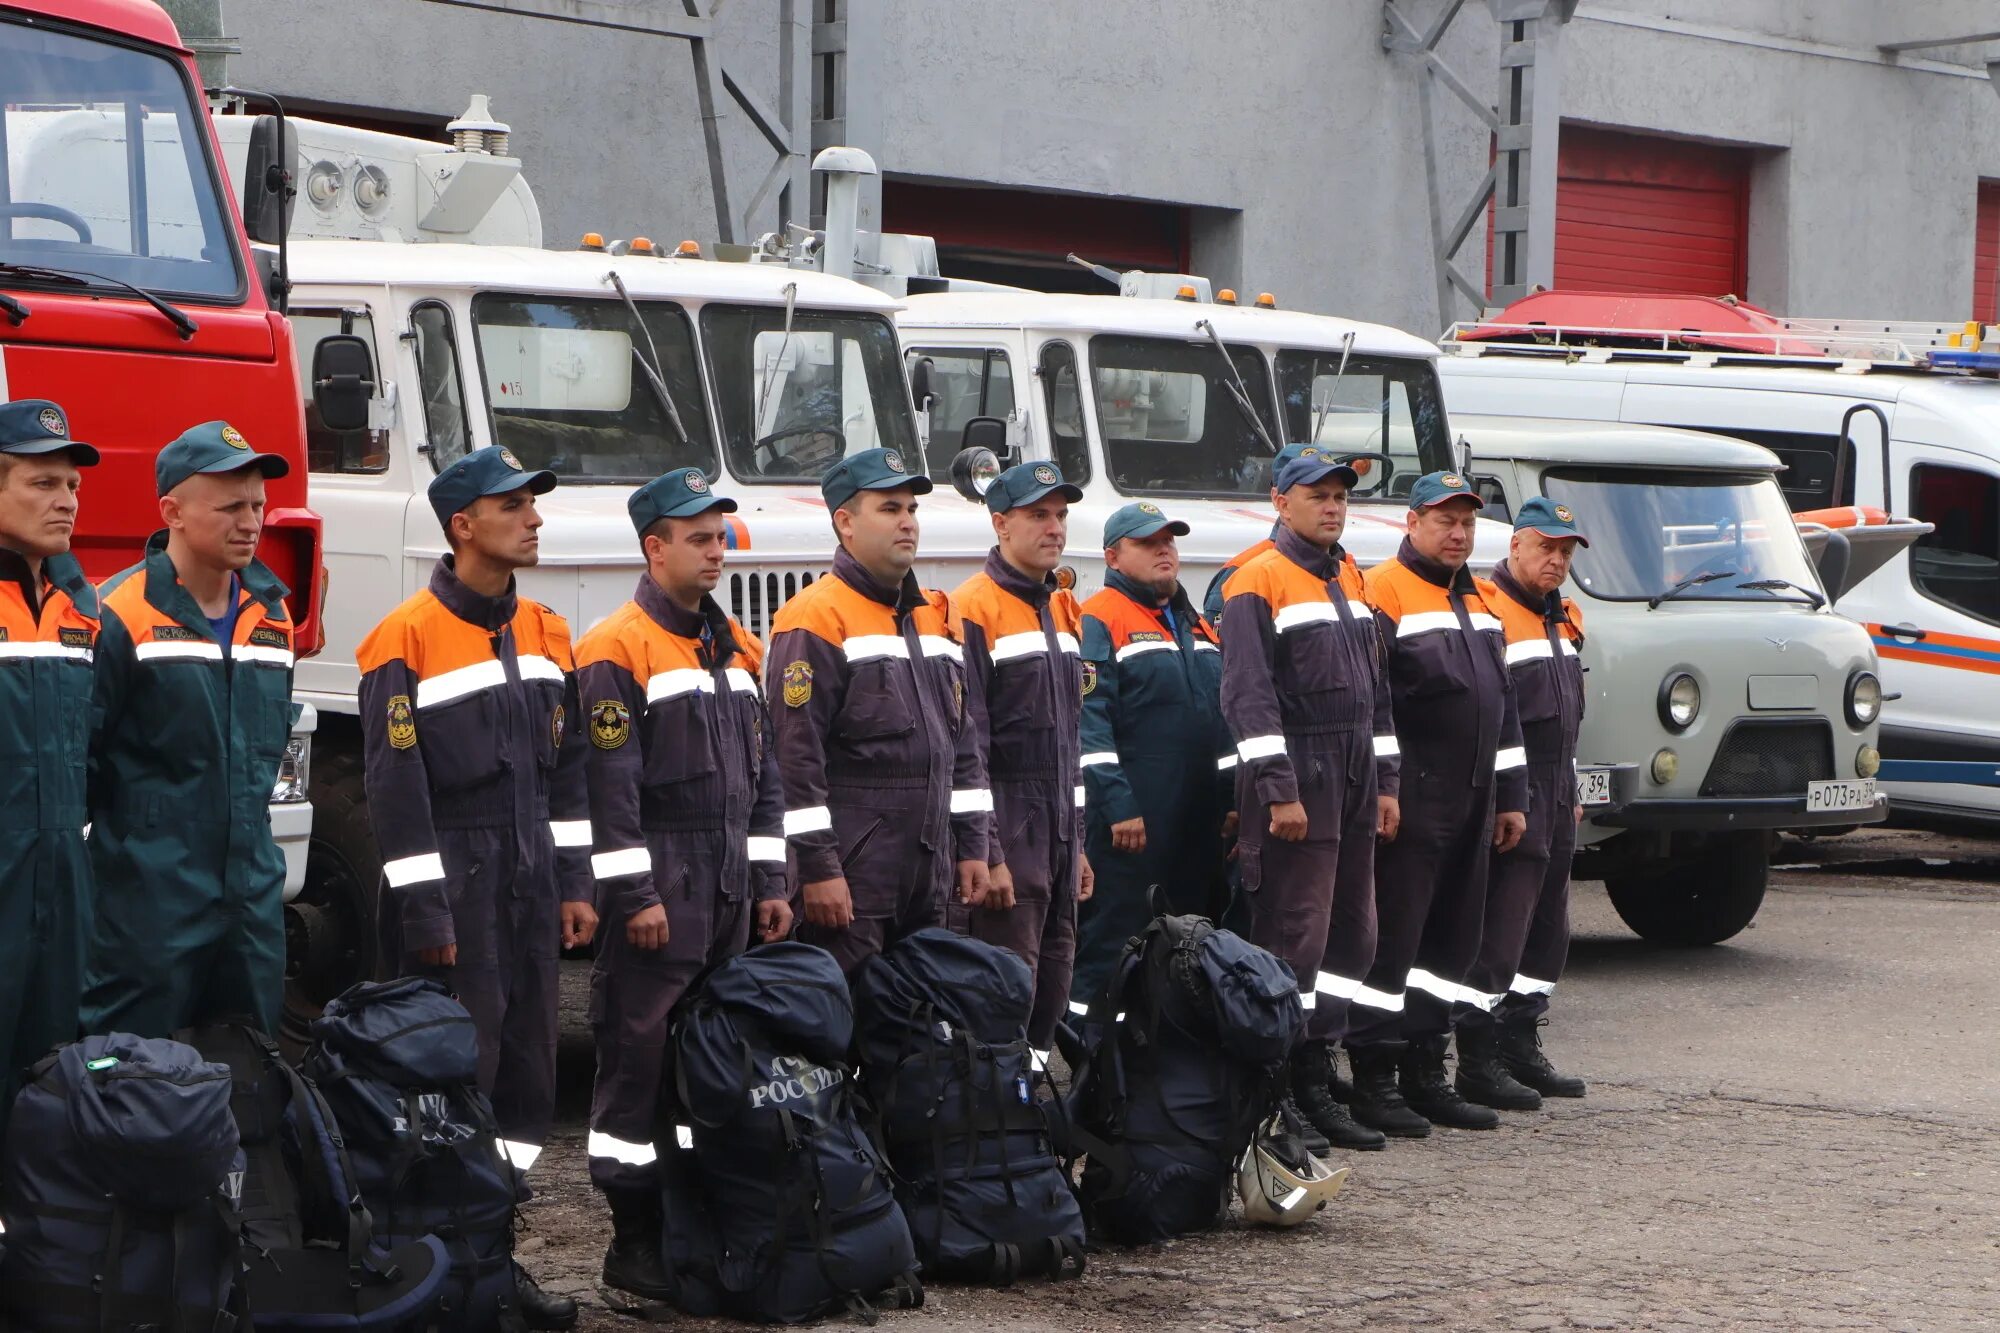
(1849, 794)
(1593, 786)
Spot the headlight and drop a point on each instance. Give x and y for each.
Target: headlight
(1864, 699)
(1666, 767)
(1680, 701)
(294, 771)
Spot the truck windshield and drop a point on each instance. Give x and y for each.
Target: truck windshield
(108, 169)
(567, 391)
(1169, 423)
(1377, 405)
(1651, 531)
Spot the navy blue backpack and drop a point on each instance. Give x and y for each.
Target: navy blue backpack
(947, 1067)
(118, 1190)
(800, 1200)
(398, 1063)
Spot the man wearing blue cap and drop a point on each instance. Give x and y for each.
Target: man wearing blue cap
(1159, 802)
(1303, 689)
(1526, 939)
(193, 710)
(689, 820)
(886, 804)
(48, 629)
(477, 793)
(1023, 694)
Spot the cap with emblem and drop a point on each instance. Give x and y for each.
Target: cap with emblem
(870, 470)
(1027, 483)
(682, 493)
(213, 446)
(1140, 520)
(1434, 488)
(38, 426)
(1312, 464)
(490, 471)
(1545, 516)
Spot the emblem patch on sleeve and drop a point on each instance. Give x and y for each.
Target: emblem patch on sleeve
(798, 682)
(1089, 676)
(556, 727)
(402, 723)
(610, 724)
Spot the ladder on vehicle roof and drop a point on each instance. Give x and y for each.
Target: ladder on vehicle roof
(1851, 346)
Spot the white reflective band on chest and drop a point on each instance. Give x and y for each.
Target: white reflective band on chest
(1204, 646)
(767, 849)
(812, 819)
(570, 832)
(1514, 756)
(521, 1155)
(178, 650)
(1481, 622)
(1068, 643)
(1387, 747)
(630, 861)
(618, 1150)
(740, 680)
(1425, 622)
(533, 666)
(37, 649)
(1098, 757)
(864, 646)
(1339, 987)
(681, 680)
(1301, 614)
(1226, 763)
(972, 801)
(1079, 795)
(1449, 991)
(1567, 647)
(1260, 747)
(251, 652)
(1523, 984)
(1148, 646)
(1528, 651)
(1025, 644)
(937, 645)
(450, 685)
(407, 870)
(1379, 999)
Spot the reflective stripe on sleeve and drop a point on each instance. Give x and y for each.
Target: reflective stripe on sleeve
(407, 870)
(1523, 984)
(1514, 756)
(1260, 747)
(1387, 747)
(1301, 614)
(570, 832)
(450, 685)
(1098, 757)
(181, 650)
(767, 849)
(972, 801)
(1147, 646)
(624, 1153)
(812, 819)
(1425, 622)
(864, 646)
(630, 861)
(1528, 651)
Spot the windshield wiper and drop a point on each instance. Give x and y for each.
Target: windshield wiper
(1779, 585)
(1691, 581)
(1326, 407)
(651, 367)
(1237, 393)
(777, 363)
(84, 278)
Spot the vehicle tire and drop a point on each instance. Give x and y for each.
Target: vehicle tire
(330, 940)
(1703, 900)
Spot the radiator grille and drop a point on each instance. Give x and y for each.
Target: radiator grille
(754, 598)
(1771, 758)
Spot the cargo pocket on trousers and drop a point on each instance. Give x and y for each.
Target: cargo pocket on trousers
(1250, 866)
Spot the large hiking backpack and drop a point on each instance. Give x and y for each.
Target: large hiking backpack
(311, 1260)
(800, 1201)
(1178, 1062)
(117, 1190)
(398, 1062)
(947, 1067)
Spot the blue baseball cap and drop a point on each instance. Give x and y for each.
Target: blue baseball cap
(1313, 464)
(1545, 516)
(38, 426)
(490, 471)
(213, 446)
(1140, 520)
(682, 493)
(1434, 488)
(870, 470)
(1027, 483)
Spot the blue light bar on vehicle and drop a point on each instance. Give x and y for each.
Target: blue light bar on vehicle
(1978, 363)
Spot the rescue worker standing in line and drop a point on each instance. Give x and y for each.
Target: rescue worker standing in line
(885, 802)
(1500, 1059)
(1023, 697)
(1303, 691)
(477, 794)
(689, 822)
(192, 714)
(1211, 601)
(1158, 760)
(48, 629)
(1464, 795)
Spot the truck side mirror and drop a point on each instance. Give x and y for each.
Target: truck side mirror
(267, 179)
(922, 387)
(990, 434)
(343, 381)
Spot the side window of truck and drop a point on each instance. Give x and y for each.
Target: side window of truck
(966, 382)
(1958, 562)
(445, 426)
(348, 451)
(1062, 407)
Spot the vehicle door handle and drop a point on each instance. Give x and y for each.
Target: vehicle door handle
(1910, 632)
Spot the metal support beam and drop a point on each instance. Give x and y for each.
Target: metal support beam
(1890, 48)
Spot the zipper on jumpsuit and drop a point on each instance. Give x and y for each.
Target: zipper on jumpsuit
(906, 626)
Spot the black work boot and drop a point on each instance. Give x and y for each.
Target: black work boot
(1337, 1087)
(1377, 1101)
(634, 1262)
(1431, 1095)
(1296, 1121)
(1521, 1055)
(1482, 1078)
(539, 1310)
(1329, 1117)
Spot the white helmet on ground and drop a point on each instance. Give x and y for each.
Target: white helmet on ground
(1281, 1184)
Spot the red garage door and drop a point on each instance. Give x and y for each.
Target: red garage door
(1636, 213)
(1986, 255)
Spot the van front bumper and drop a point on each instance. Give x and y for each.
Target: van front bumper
(1760, 812)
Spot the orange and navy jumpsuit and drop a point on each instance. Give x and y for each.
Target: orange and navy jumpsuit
(189, 923)
(1527, 909)
(1459, 729)
(882, 779)
(1212, 600)
(1023, 697)
(478, 797)
(688, 815)
(48, 634)
(1304, 692)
